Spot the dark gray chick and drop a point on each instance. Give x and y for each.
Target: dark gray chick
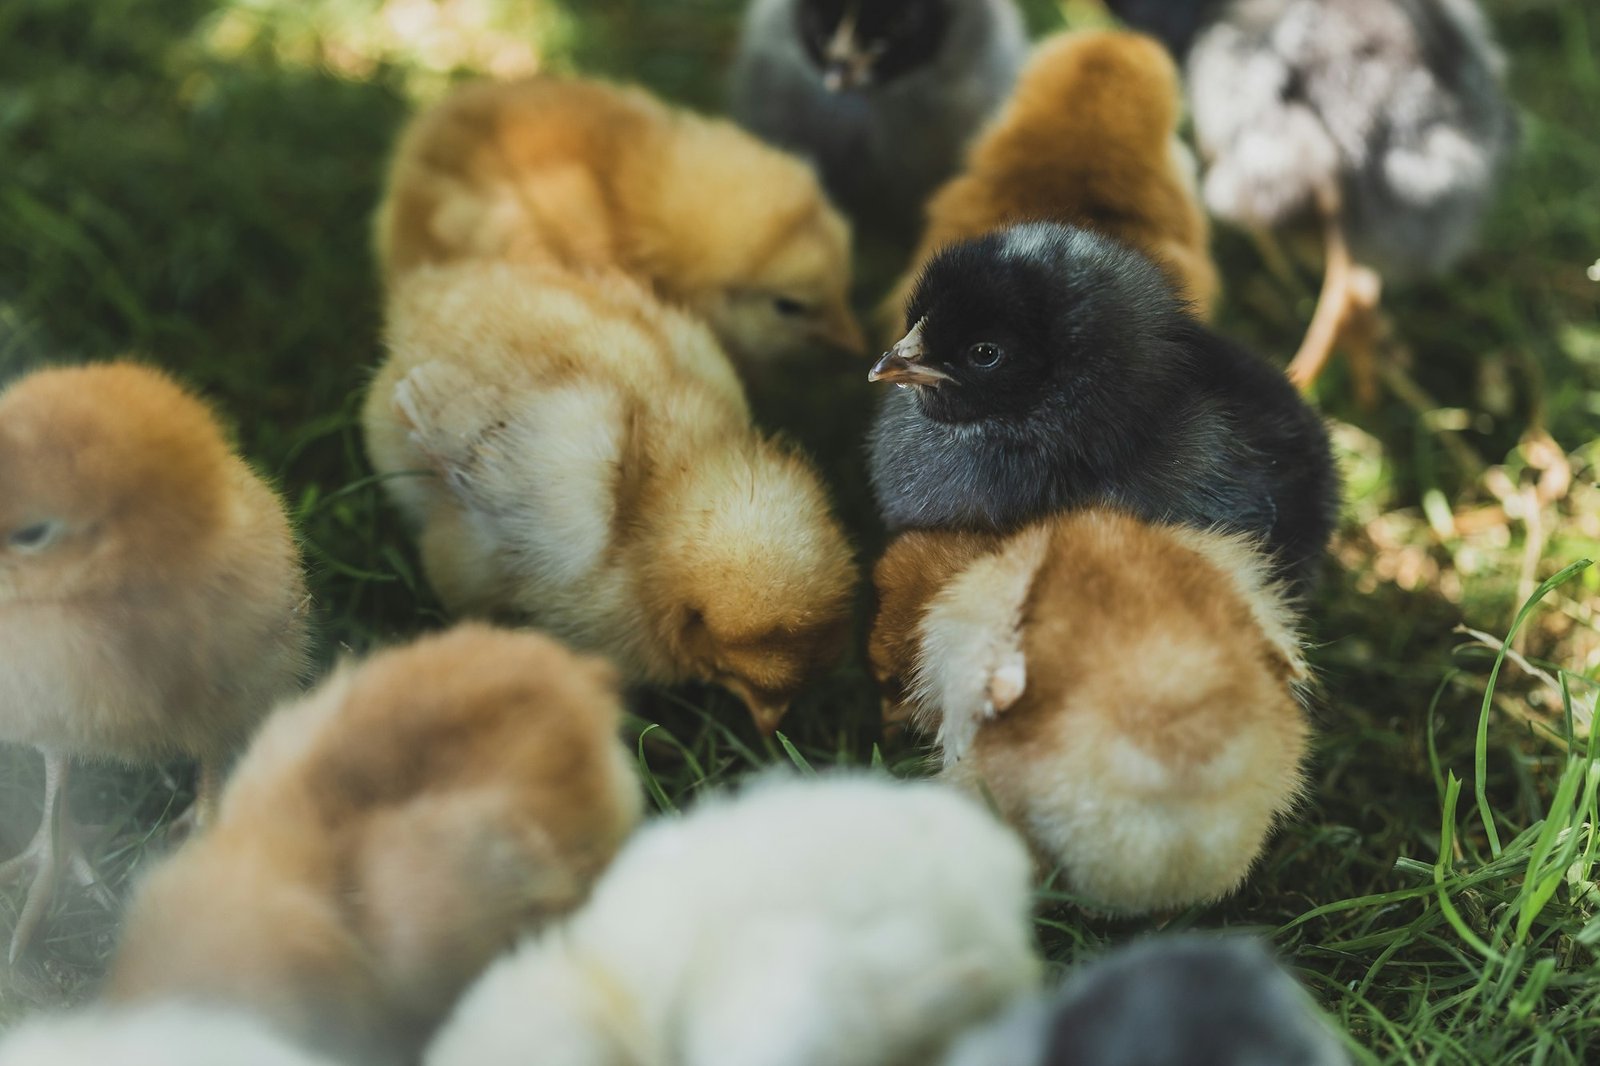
(882, 95)
(1386, 118)
(1048, 368)
(1175, 1001)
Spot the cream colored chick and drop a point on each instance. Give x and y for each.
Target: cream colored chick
(169, 1034)
(851, 921)
(1127, 694)
(595, 472)
(592, 175)
(385, 837)
(152, 605)
(1089, 138)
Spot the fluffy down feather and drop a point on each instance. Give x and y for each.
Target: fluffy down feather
(1089, 139)
(848, 921)
(1125, 693)
(589, 175)
(598, 475)
(384, 838)
(171, 1034)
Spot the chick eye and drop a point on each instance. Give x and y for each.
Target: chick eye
(985, 356)
(789, 307)
(32, 538)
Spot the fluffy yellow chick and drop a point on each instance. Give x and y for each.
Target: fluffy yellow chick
(1126, 693)
(1089, 139)
(151, 596)
(587, 174)
(595, 472)
(385, 837)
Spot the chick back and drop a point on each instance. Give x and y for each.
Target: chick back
(1088, 138)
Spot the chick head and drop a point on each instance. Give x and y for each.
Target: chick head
(110, 475)
(751, 577)
(765, 259)
(859, 46)
(1037, 316)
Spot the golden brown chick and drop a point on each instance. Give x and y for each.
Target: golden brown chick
(587, 174)
(1089, 139)
(596, 473)
(1127, 695)
(385, 837)
(152, 605)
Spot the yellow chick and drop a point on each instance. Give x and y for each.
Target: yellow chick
(596, 472)
(1127, 694)
(385, 837)
(152, 605)
(586, 174)
(1088, 138)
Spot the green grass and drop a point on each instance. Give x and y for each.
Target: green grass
(192, 180)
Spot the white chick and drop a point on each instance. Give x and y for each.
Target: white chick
(1125, 694)
(169, 1034)
(851, 921)
(152, 604)
(1171, 1001)
(883, 95)
(598, 475)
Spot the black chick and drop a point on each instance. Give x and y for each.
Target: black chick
(1049, 368)
(882, 95)
(1174, 1001)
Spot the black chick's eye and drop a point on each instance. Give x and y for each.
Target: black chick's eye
(985, 356)
(789, 307)
(31, 538)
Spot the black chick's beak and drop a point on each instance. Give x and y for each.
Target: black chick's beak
(902, 365)
(846, 65)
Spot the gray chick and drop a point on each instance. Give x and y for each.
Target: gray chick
(881, 95)
(1173, 1001)
(1386, 118)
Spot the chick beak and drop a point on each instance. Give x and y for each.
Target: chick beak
(842, 331)
(846, 65)
(903, 363)
(767, 717)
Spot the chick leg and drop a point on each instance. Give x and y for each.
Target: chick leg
(1333, 306)
(55, 846)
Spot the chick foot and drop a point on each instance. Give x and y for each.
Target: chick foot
(1346, 317)
(56, 848)
(450, 420)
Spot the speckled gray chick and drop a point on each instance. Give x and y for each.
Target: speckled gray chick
(1173, 1001)
(1397, 105)
(882, 95)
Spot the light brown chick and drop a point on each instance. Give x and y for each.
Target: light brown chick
(152, 605)
(595, 472)
(385, 837)
(1088, 138)
(587, 174)
(1126, 693)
